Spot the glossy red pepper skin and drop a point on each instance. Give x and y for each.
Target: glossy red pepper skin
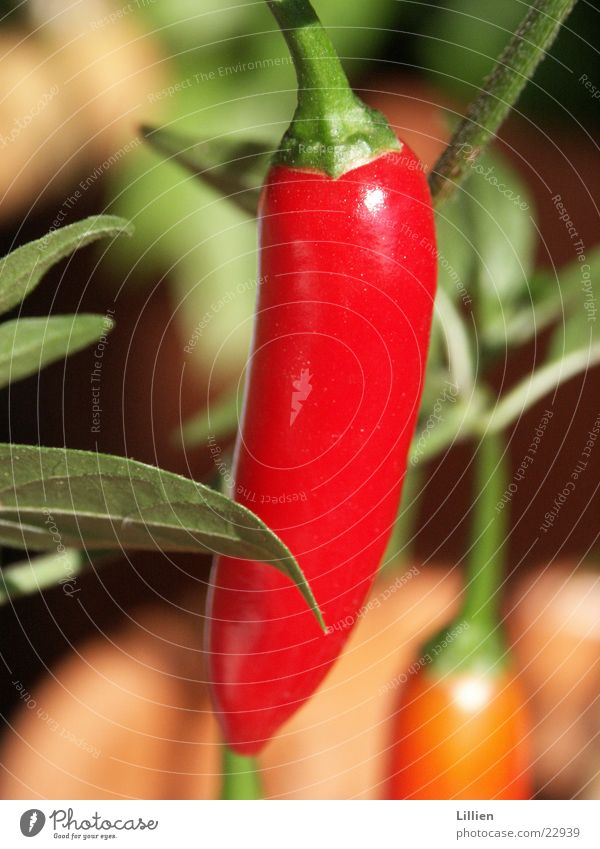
(347, 284)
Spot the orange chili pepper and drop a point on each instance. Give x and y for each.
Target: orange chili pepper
(461, 728)
(461, 736)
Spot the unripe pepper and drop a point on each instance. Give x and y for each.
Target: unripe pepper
(461, 729)
(334, 378)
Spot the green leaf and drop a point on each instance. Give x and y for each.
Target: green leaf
(44, 572)
(566, 295)
(504, 238)
(81, 499)
(546, 304)
(29, 344)
(219, 420)
(455, 248)
(236, 169)
(579, 309)
(22, 270)
(572, 334)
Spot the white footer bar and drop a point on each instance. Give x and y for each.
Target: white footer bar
(301, 825)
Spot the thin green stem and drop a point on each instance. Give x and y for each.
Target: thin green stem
(485, 568)
(474, 641)
(317, 65)
(241, 776)
(500, 91)
(332, 130)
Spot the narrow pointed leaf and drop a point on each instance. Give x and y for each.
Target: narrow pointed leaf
(98, 501)
(22, 270)
(503, 238)
(29, 344)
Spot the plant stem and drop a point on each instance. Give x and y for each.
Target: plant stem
(317, 65)
(474, 641)
(485, 569)
(499, 93)
(241, 777)
(332, 130)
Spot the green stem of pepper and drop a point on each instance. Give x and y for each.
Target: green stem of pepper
(241, 777)
(332, 130)
(500, 90)
(475, 639)
(485, 569)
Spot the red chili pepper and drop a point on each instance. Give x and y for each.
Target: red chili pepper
(347, 282)
(461, 731)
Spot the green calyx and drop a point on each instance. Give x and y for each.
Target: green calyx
(332, 130)
(466, 647)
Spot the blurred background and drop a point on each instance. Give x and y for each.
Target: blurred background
(116, 672)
